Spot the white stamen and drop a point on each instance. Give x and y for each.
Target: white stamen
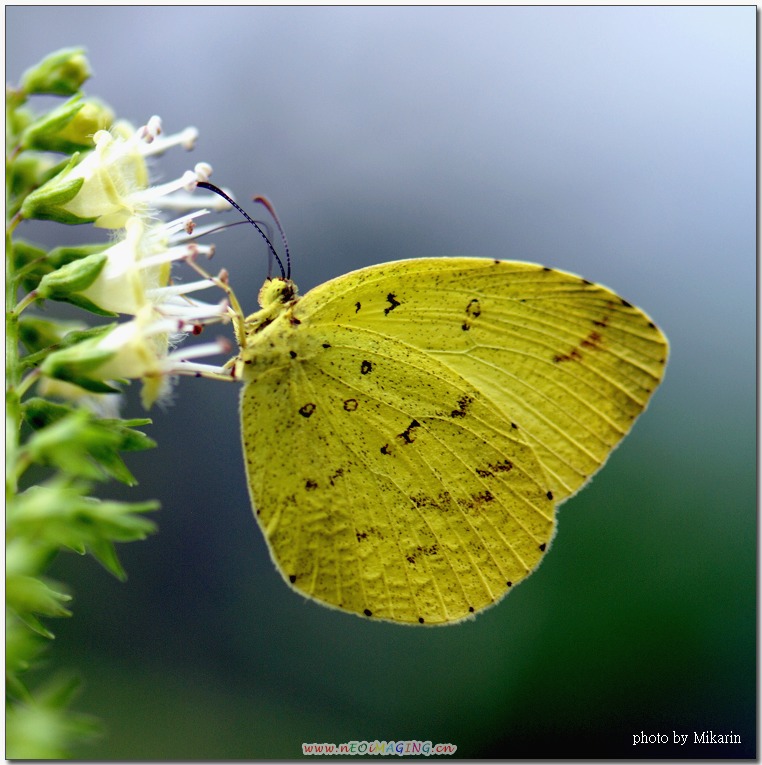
(202, 349)
(182, 201)
(190, 368)
(180, 289)
(203, 171)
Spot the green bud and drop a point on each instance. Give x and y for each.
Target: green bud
(32, 263)
(69, 128)
(60, 74)
(16, 121)
(37, 333)
(79, 363)
(25, 254)
(26, 173)
(73, 277)
(60, 256)
(46, 203)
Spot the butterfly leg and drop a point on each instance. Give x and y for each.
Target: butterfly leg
(221, 281)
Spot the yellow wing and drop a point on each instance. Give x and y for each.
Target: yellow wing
(572, 362)
(408, 428)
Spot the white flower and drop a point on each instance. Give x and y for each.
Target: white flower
(138, 349)
(111, 183)
(133, 276)
(137, 272)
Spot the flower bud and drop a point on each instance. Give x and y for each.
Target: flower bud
(68, 128)
(60, 74)
(66, 282)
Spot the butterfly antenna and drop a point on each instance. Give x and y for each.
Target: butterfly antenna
(216, 190)
(268, 205)
(208, 232)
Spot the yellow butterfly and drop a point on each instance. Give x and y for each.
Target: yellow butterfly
(409, 429)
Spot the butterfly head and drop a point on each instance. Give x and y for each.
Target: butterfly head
(277, 292)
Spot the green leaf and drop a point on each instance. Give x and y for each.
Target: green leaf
(22, 647)
(58, 515)
(31, 595)
(104, 437)
(65, 444)
(105, 553)
(43, 728)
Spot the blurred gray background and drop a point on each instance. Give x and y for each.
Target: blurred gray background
(614, 142)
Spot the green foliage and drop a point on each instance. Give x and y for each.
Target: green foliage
(70, 446)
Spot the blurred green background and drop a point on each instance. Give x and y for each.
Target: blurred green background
(618, 143)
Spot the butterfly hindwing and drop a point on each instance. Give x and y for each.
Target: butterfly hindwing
(408, 496)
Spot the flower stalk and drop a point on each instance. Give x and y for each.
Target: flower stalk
(76, 165)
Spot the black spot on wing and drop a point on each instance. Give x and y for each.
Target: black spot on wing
(309, 484)
(335, 477)
(473, 311)
(407, 435)
(426, 551)
(492, 468)
(463, 403)
(391, 298)
(358, 306)
(307, 410)
(573, 355)
(350, 405)
(292, 354)
(366, 367)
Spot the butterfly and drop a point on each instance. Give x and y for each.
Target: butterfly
(409, 429)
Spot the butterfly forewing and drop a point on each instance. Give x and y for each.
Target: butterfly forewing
(573, 363)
